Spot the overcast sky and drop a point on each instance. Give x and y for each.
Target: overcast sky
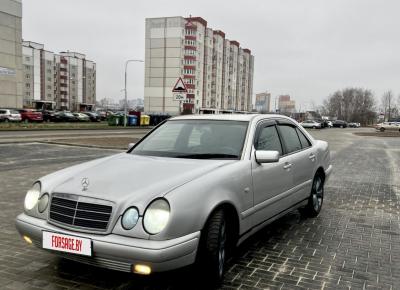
(307, 48)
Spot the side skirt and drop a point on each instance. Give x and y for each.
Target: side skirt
(261, 225)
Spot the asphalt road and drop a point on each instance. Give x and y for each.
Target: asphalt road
(353, 244)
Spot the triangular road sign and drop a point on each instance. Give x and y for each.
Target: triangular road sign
(179, 87)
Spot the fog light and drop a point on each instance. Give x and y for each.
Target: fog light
(27, 239)
(141, 269)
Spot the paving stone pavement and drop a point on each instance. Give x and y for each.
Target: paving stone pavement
(353, 244)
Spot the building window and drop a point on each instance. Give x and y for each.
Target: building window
(27, 58)
(27, 67)
(27, 76)
(28, 85)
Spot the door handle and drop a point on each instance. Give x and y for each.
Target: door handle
(312, 157)
(287, 166)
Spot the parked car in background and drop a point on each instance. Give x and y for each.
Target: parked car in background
(102, 115)
(81, 117)
(29, 115)
(93, 116)
(10, 115)
(352, 125)
(190, 191)
(388, 126)
(339, 124)
(324, 123)
(311, 124)
(64, 116)
(49, 116)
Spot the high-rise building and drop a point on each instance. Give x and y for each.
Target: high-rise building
(218, 74)
(66, 80)
(76, 82)
(263, 102)
(38, 73)
(285, 105)
(10, 54)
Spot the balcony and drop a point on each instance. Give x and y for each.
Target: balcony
(190, 57)
(190, 47)
(189, 76)
(190, 37)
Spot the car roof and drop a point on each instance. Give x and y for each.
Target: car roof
(228, 117)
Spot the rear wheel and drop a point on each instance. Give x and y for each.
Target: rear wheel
(6, 120)
(212, 251)
(382, 129)
(316, 198)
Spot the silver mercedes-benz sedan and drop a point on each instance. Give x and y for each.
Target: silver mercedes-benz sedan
(189, 191)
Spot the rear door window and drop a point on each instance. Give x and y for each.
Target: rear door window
(290, 138)
(305, 143)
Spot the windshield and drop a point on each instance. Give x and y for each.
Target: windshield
(196, 139)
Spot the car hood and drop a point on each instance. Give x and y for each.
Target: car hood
(132, 178)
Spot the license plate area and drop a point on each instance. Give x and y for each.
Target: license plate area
(67, 243)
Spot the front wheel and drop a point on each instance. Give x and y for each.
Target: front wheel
(382, 129)
(212, 251)
(316, 198)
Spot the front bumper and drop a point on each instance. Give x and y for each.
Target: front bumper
(119, 252)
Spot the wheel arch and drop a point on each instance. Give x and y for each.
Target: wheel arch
(232, 218)
(320, 171)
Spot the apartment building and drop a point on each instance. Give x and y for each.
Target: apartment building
(218, 73)
(285, 104)
(10, 54)
(263, 102)
(38, 73)
(67, 80)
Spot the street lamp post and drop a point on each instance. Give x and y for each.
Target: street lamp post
(126, 95)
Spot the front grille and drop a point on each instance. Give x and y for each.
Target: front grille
(80, 214)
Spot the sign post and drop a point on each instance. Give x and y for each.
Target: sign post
(179, 91)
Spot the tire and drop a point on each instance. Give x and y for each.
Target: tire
(382, 129)
(316, 199)
(212, 251)
(6, 120)
(314, 127)
(341, 126)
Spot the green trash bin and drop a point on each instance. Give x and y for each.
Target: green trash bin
(121, 120)
(113, 120)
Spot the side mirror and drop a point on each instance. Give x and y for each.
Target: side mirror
(263, 156)
(130, 145)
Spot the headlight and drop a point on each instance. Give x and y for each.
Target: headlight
(156, 216)
(130, 218)
(43, 202)
(32, 196)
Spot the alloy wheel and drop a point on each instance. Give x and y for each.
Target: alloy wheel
(318, 194)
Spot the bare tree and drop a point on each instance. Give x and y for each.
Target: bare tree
(352, 105)
(387, 103)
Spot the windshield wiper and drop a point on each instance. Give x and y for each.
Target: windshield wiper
(208, 156)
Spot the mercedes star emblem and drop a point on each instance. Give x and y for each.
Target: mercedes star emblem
(85, 183)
